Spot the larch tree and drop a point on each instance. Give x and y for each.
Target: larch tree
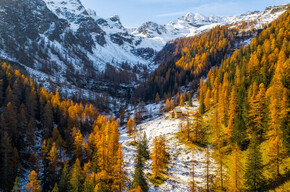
(31, 131)
(181, 103)
(199, 132)
(207, 102)
(119, 174)
(15, 162)
(277, 151)
(159, 156)
(285, 119)
(6, 155)
(155, 158)
(78, 141)
(130, 126)
(201, 98)
(188, 127)
(10, 114)
(34, 184)
(53, 156)
(235, 171)
(221, 104)
(256, 115)
(47, 118)
(157, 98)
(167, 106)
(193, 184)
(208, 166)
(219, 155)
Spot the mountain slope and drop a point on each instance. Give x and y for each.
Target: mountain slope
(248, 99)
(182, 62)
(178, 174)
(63, 42)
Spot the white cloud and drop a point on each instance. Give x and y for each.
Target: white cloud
(172, 14)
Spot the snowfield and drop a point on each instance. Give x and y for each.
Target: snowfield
(181, 157)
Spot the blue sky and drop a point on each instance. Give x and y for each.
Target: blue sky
(135, 12)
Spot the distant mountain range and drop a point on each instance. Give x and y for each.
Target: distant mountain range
(58, 39)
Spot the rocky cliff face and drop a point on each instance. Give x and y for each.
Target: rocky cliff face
(57, 40)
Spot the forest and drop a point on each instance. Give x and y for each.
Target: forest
(191, 58)
(245, 104)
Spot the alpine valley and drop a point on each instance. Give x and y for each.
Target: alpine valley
(88, 105)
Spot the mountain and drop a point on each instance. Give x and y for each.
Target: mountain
(184, 61)
(195, 23)
(63, 42)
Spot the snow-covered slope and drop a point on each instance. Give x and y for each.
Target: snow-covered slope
(181, 157)
(62, 41)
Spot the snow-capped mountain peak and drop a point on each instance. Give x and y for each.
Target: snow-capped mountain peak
(115, 18)
(195, 18)
(66, 9)
(150, 29)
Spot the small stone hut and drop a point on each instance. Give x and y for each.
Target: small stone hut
(175, 113)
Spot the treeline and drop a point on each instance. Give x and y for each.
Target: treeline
(64, 145)
(192, 58)
(249, 95)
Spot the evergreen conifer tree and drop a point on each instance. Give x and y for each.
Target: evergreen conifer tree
(144, 147)
(16, 187)
(55, 188)
(64, 180)
(75, 178)
(254, 167)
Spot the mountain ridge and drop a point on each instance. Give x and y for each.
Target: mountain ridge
(64, 42)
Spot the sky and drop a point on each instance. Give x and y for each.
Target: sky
(134, 13)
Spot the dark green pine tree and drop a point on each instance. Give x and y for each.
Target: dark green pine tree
(254, 167)
(55, 189)
(75, 177)
(189, 100)
(202, 107)
(239, 130)
(101, 188)
(64, 181)
(16, 187)
(144, 147)
(138, 177)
